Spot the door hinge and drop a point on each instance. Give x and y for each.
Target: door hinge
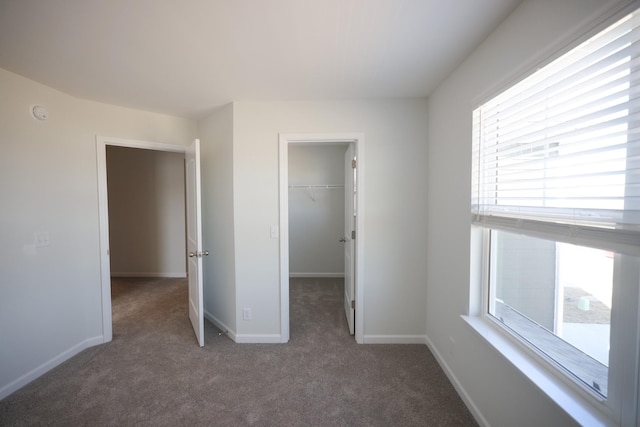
(353, 304)
(353, 164)
(353, 235)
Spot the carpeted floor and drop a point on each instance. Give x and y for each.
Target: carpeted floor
(154, 374)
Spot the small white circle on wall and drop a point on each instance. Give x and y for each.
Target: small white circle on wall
(39, 112)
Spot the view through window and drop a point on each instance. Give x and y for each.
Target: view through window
(556, 296)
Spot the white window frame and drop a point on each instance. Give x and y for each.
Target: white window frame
(580, 402)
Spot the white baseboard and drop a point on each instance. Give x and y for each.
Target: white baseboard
(246, 338)
(169, 275)
(320, 275)
(25, 379)
(456, 384)
(395, 339)
(259, 339)
(220, 325)
(243, 338)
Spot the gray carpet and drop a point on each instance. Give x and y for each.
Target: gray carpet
(153, 373)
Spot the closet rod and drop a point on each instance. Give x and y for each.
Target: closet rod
(313, 187)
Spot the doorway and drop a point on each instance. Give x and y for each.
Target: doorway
(316, 210)
(146, 192)
(354, 308)
(317, 239)
(193, 228)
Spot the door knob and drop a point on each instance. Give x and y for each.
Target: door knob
(342, 240)
(198, 254)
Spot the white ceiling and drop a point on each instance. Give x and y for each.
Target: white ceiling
(187, 57)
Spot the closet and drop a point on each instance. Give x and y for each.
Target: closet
(316, 210)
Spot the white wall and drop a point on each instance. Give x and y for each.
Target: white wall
(146, 212)
(50, 297)
(396, 208)
(216, 136)
(499, 392)
(316, 217)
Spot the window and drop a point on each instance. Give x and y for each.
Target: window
(556, 191)
(557, 297)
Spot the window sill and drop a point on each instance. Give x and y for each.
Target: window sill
(568, 399)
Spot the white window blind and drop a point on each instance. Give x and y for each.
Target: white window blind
(560, 151)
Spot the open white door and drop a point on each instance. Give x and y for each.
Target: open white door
(194, 240)
(349, 236)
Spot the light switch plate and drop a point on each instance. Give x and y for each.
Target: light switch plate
(41, 238)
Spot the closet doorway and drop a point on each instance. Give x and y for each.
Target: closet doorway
(320, 216)
(316, 211)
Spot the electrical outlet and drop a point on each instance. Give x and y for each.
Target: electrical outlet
(41, 239)
(246, 314)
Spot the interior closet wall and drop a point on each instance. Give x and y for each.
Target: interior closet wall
(146, 212)
(316, 214)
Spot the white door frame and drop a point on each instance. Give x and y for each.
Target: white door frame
(103, 212)
(320, 138)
